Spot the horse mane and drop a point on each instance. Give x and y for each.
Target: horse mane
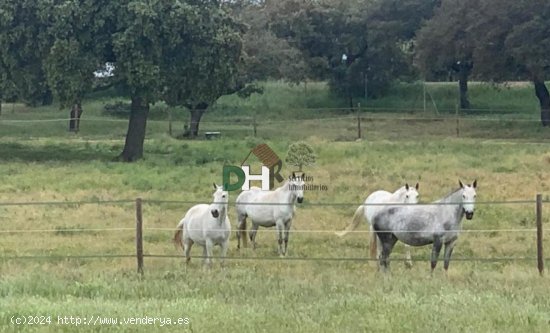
(282, 187)
(448, 194)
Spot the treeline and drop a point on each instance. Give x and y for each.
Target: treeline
(191, 52)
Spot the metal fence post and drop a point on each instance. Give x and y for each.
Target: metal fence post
(139, 235)
(540, 253)
(359, 120)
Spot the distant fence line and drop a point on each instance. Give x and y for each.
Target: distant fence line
(255, 126)
(140, 255)
(259, 122)
(351, 119)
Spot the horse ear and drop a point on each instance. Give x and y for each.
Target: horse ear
(475, 183)
(303, 176)
(293, 175)
(215, 186)
(407, 186)
(416, 186)
(460, 183)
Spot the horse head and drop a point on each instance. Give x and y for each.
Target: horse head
(296, 186)
(219, 204)
(411, 194)
(468, 198)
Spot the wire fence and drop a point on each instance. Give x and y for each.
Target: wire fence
(139, 229)
(305, 203)
(301, 231)
(254, 258)
(338, 124)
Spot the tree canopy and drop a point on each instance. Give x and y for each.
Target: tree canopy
(182, 52)
(190, 52)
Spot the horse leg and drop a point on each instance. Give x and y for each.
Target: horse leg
(378, 247)
(253, 232)
(209, 246)
(187, 244)
(286, 235)
(204, 255)
(280, 230)
(449, 246)
(224, 246)
(408, 258)
(435, 252)
(388, 241)
(241, 230)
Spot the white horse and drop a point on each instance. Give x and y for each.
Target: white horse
(438, 224)
(268, 209)
(206, 225)
(373, 204)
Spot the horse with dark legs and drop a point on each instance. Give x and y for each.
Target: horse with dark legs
(438, 223)
(376, 201)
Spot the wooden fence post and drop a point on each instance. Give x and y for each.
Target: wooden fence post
(540, 254)
(139, 236)
(457, 122)
(359, 120)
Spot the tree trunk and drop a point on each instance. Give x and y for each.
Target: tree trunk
(463, 86)
(47, 98)
(133, 147)
(544, 99)
(74, 122)
(196, 114)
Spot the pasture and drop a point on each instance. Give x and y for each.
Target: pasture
(42, 162)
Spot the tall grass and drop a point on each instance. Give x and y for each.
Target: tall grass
(42, 162)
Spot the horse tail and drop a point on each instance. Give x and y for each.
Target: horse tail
(357, 217)
(373, 244)
(178, 235)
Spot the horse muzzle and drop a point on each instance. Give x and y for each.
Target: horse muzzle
(469, 215)
(300, 199)
(215, 213)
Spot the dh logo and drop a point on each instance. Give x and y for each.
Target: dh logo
(271, 168)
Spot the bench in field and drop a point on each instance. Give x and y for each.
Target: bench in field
(212, 135)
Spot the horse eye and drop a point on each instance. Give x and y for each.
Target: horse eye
(463, 197)
(407, 196)
(223, 196)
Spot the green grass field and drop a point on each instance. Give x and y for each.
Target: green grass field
(41, 161)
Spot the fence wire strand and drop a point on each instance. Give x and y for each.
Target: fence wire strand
(299, 231)
(305, 203)
(255, 258)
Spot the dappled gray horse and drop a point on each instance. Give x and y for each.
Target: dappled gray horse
(438, 223)
(370, 208)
